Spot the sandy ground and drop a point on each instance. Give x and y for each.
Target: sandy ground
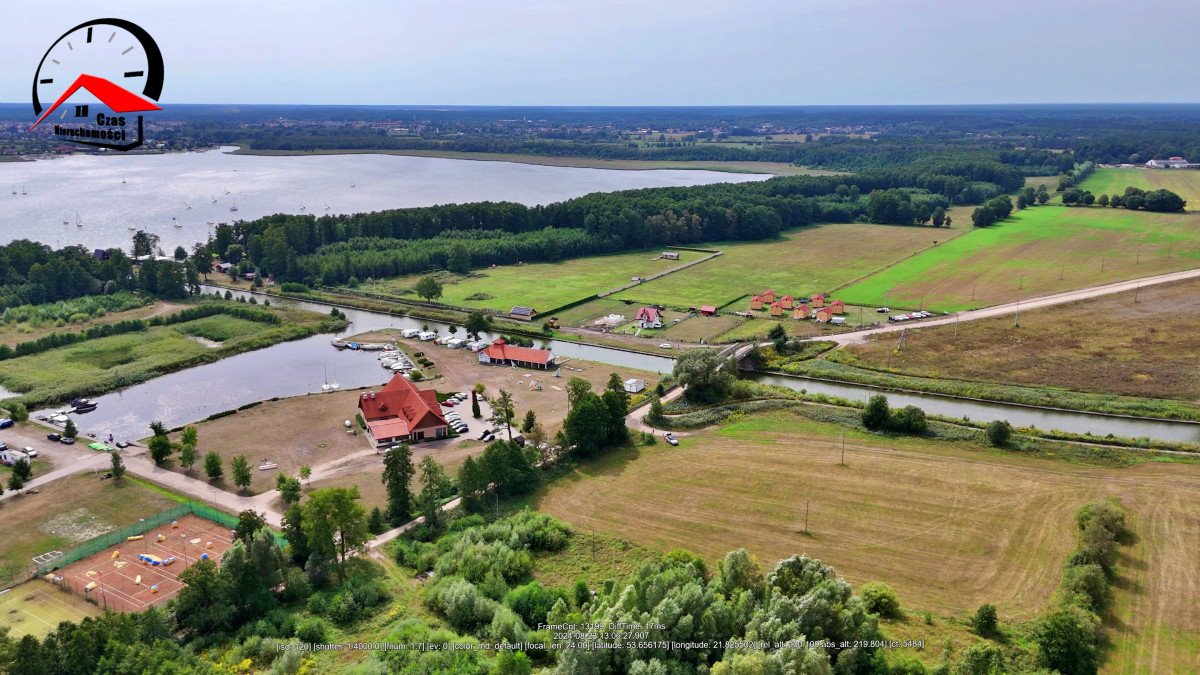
(311, 429)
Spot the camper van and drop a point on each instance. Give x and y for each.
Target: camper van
(9, 456)
(411, 332)
(426, 336)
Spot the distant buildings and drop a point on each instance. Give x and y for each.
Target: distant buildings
(1171, 163)
(521, 313)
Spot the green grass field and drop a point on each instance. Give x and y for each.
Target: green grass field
(542, 286)
(37, 607)
(800, 263)
(1038, 251)
(1184, 183)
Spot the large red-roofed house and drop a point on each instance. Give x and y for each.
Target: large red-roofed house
(501, 353)
(402, 412)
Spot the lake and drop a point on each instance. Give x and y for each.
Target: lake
(96, 199)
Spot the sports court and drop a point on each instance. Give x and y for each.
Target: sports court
(135, 574)
(36, 608)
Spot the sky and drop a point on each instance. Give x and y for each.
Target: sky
(641, 52)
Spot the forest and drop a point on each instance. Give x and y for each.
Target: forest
(334, 249)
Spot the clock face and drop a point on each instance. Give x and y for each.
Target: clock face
(113, 49)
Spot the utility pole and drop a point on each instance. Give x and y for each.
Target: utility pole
(806, 505)
(1135, 291)
(1060, 272)
(843, 449)
(973, 290)
(955, 327)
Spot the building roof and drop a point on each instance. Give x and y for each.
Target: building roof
(757, 298)
(500, 350)
(647, 313)
(522, 311)
(708, 308)
(787, 297)
(400, 408)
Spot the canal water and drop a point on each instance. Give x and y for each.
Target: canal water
(300, 367)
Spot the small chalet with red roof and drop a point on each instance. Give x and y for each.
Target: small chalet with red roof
(401, 412)
(648, 317)
(501, 353)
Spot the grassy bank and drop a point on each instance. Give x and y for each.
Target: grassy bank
(95, 366)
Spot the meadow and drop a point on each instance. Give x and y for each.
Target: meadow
(936, 520)
(1149, 353)
(94, 366)
(542, 286)
(1038, 251)
(1184, 183)
(801, 262)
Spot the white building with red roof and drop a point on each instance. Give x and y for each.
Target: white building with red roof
(648, 317)
(401, 412)
(500, 353)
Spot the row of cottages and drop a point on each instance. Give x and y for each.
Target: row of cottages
(400, 412)
(500, 353)
(648, 317)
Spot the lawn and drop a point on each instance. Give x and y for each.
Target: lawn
(701, 328)
(542, 286)
(800, 263)
(950, 526)
(1150, 352)
(1186, 184)
(95, 366)
(1038, 251)
(69, 511)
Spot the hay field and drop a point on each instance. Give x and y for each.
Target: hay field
(1184, 183)
(949, 526)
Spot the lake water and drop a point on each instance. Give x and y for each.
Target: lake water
(88, 189)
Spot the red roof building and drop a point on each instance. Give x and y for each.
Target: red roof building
(708, 310)
(756, 302)
(786, 301)
(501, 353)
(776, 309)
(401, 412)
(768, 295)
(648, 317)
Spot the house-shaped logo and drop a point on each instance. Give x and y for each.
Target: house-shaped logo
(112, 63)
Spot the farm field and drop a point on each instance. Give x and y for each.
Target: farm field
(68, 512)
(542, 286)
(698, 328)
(105, 363)
(936, 520)
(802, 262)
(1036, 252)
(1150, 352)
(1184, 183)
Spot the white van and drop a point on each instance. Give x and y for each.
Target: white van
(410, 332)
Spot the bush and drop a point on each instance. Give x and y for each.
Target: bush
(998, 432)
(879, 598)
(984, 621)
(311, 630)
(416, 375)
(1085, 585)
(532, 602)
(1066, 641)
(910, 419)
(1108, 513)
(876, 415)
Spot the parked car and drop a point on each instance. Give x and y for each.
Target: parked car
(883, 310)
(67, 440)
(665, 345)
(29, 451)
(449, 403)
(670, 438)
(6, 423)
(123, 444)
(53, 437)
(482, 435)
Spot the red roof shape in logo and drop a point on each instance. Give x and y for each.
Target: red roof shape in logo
(117, 99)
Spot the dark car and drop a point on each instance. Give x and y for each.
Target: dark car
(67, 440)
(53, 437)
(6, 423)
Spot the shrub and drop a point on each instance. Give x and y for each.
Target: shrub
(998, 432)
(311, 630)
(984, 620)
(879, 598)
(1108, 513)
(910, 419)
(876, 415)
(1066, 641)
(1085, 585)
(416, 375)
(532, 602)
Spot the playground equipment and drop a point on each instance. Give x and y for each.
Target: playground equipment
(150, 559)
(136, 537)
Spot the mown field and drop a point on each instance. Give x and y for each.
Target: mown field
(1148, 351)
(950, 526)
(1038, 251)
(94, 366)
(1184, 183)
(800, 263)
(542, 286)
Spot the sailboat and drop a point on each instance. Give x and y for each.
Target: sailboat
(325, 386)
(14, 189)
(351, 184)
(67, 222)
(122, 179)
(226, 190)
(214, 200)
(189, 206)
(233, 208)
(326, 206)
(23, 190)
(303, 207)
(78, 222)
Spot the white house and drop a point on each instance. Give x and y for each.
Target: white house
(634, 385)
(1169, 163)
(648, 317)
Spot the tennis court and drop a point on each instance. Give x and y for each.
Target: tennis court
(135, 574)
(37, 607)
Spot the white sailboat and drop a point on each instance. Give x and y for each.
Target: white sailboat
(122, 179)
(78, 222)
(67, 222)
(325, 386)
(214, 200)
(14, 189)
(327, 206)
(189, 206)
(226, 190)
(23, 190)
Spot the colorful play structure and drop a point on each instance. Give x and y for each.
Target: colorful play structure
(155, 560)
